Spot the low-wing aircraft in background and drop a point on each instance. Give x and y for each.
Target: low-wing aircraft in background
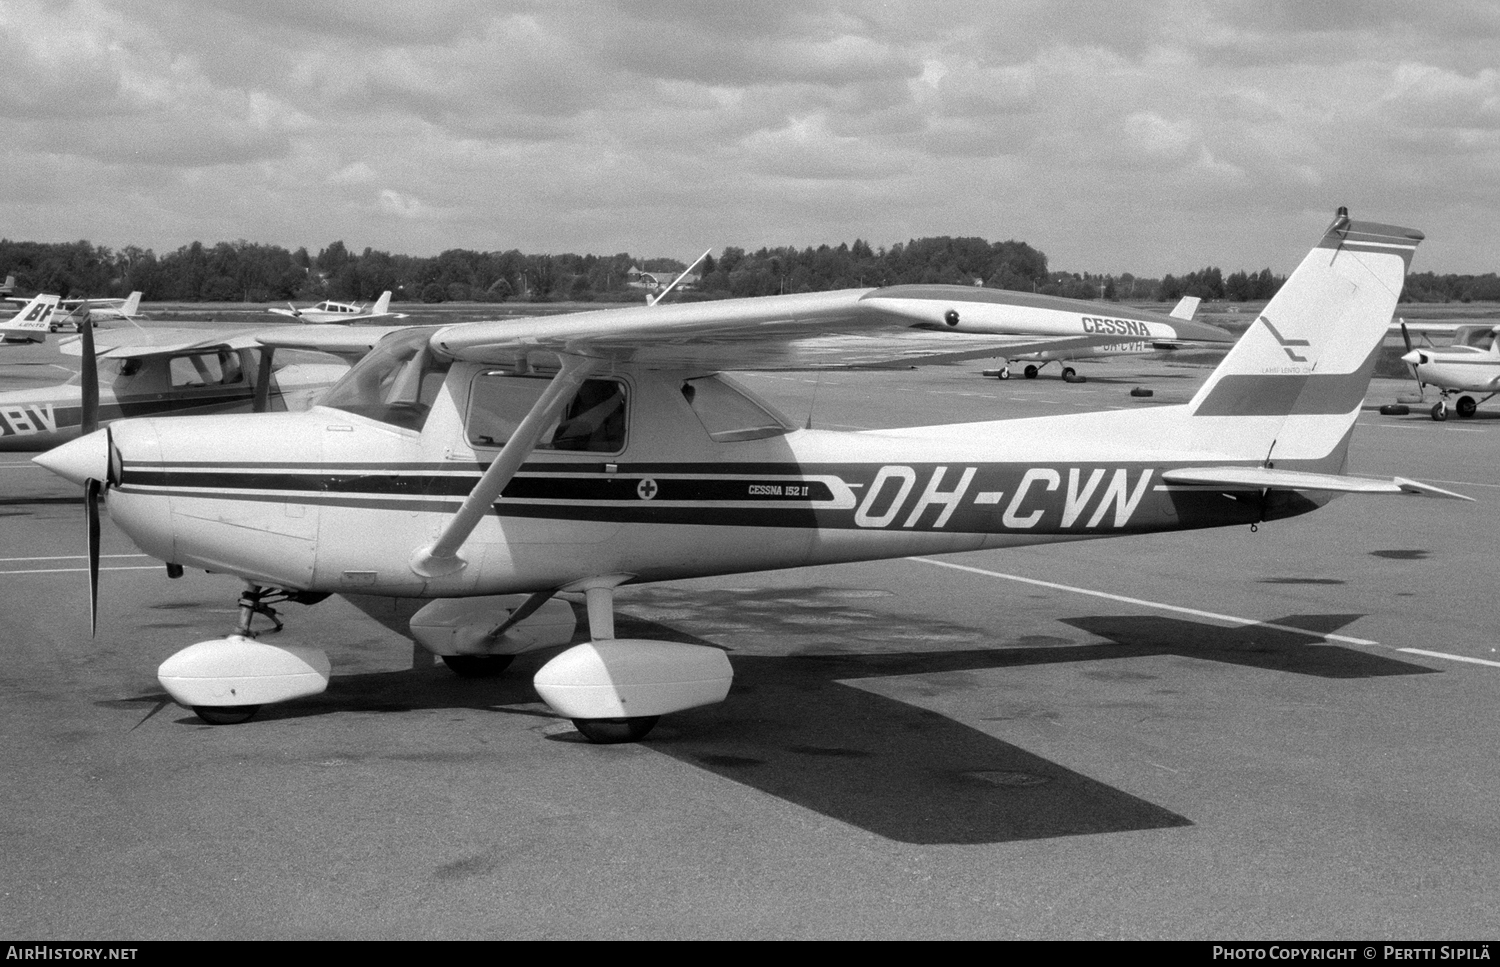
(32, 322)
(156, 372)
(488, 467)
(1471, 364)
(342, 312)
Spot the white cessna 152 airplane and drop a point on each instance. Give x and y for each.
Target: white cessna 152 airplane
(487, 467)
(343, 312)
(169, 372)
(1470, 365)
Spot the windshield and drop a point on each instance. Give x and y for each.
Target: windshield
(396, 383)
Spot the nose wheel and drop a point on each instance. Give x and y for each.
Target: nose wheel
(1440, 410)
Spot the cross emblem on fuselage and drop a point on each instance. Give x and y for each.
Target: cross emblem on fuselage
(646, 489)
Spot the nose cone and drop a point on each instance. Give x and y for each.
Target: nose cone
(86, 458)
(1413, 358)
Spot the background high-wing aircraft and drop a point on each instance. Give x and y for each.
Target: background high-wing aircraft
(162, 372)
(32, 322)
(75, 312)
(1148, 332)
(488, 467)
(330, 311)
(1471, 364)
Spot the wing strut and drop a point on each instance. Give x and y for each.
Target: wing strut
(441, 556)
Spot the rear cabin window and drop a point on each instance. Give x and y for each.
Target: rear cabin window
(592, 422)
(729, 413)
(206, 369)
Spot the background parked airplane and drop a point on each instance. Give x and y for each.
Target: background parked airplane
(156, 372)
(1471, 364)
(330, 311)
(32, 322)
(75, 312)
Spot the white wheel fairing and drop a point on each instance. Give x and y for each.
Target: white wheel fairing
(238, 671)
(633, 678)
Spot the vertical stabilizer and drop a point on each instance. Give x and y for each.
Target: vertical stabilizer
(1290, 389)
(382, 305)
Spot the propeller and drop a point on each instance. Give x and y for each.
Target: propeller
(92, 489)
(1412, 359)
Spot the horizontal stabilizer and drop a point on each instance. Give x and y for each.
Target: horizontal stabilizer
(1266, 478)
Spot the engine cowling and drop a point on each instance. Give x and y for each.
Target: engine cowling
(239, 671)
(633, 678)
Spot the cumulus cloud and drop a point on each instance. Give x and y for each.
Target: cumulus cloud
(1112, 135)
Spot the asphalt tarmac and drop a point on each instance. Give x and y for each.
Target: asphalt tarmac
(1226, 734)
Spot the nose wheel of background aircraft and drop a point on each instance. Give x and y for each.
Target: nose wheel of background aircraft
(1440, 410)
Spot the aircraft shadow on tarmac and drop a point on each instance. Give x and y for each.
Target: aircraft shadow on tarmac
(796, 725)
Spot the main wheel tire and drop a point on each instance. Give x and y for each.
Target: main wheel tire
(1440, 411)
(1466, 406)
(225, 714)
(1031, 372)
(612, 731)
(478, 666)
(1069, 372)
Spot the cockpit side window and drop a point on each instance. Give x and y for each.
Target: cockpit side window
(592, 422)
(396, 383)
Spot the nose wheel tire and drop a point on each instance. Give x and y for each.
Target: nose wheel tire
(478, 666)
(612, 731)
(1440, 411)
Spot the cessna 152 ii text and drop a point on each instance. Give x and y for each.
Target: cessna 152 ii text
(1471, 364)
(170, 372)
(489, 466)
(330, 311)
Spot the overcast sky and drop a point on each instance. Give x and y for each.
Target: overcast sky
(1115, 136)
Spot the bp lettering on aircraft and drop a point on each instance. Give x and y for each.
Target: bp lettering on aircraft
(1050, 497)
(26, 420)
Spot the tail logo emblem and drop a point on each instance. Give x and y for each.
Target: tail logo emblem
(1286, 344)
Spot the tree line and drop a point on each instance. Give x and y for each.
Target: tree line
(244, 271)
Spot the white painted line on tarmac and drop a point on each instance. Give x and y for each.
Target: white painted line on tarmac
(80, 570)
(1141, 602)
(63, 557)
(1444, 654)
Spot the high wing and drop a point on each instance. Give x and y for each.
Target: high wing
(851, 328)
(335, 340)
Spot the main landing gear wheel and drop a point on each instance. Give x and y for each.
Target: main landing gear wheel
(1069, 371)
(1466, 406)
(478, 666)
(1440, 411)
(225, 714)
(612, 731)
(1031, 372)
